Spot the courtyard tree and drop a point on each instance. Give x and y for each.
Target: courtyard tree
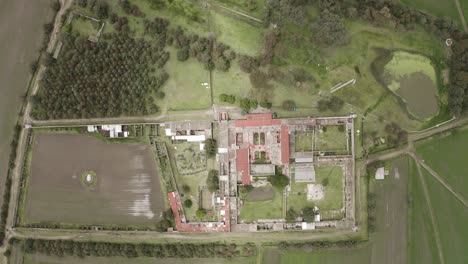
(188, 203)
(200, 213)
(211, 147)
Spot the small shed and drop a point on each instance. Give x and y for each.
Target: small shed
(380, 173)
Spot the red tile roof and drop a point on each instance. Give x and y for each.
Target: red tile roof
(258, 120)
(284, 145)
(242, 165)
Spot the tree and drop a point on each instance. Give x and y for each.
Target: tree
(200, 213)
(289, 105)
(308, 213)
(102, 9)
(33, 67)
(247, 64)
(212, 181)
(188, 203)
(266, 104)
(325, 182)
(278, 180)
(183, 54)
(227, 98)
(291, 215)
(186, 188)
(329, 30)
(211, 147)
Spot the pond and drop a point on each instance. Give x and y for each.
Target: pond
(413, 78)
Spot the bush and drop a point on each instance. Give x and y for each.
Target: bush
(186, 188)
(211, 147)
(183, 54)
(213, 180)
(289, 105)
(333, 103)
(188, 203)
(227, 98)
(201, 213)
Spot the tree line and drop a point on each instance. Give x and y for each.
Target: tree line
(105, 249)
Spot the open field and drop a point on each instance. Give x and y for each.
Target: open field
(303, 141)
(445, 9)
(184, 89)
(447, 156)
(450, 215)
(20, 38)
(332, 256)
(261, 194)
(330, 138)
(422, 247)
(333, 199)
(253, 209)
(242, 37)
(127, 191)
(389, 241)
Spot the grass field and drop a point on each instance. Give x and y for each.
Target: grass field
(20, 36)
(127, 191)
(253, 209)
(184, 89)
(450, 215)
(85, 26)
(332, 256)
(333, 199)
(445, 9)
(330, 138)
(303, 141)
(447, 156)
(242, 37)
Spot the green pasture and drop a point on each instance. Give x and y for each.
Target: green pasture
(184, 90)
(240, 36)
(253, 210)
(333, 199)
(447, 156)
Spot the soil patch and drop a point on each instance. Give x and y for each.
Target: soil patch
(261, 194)
(127, 191)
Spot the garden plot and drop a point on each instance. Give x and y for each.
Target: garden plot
(303, 141)
(189, 158)
(331, 138)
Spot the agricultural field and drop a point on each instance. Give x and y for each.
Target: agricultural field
(422, 245)
(446, 154)
(332, 180)
(331, 138)
(20, 36)
(303, 141)
(331, 256)
(450, 216)
(262, 203)
(126, 190)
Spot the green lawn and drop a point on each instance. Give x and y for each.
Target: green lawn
(240, 36)
(422, 247)
(269, 209)
(350, 256)
(303, 141)
(333, 199)
(331, 138)
(447, 156)
(85, 26)
(184, 89)
(451, 216)
(234, 82)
